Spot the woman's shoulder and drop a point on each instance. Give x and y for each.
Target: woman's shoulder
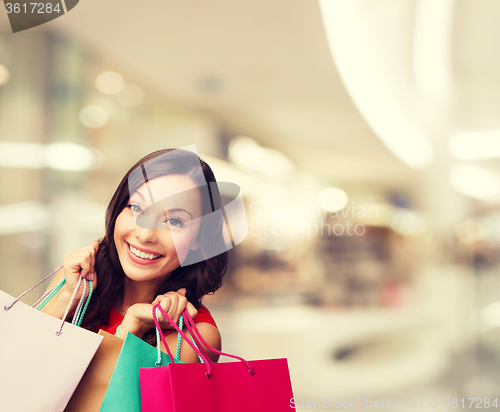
(204, 316)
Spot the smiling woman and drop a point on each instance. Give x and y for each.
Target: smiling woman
(131, 240)
(157, 249)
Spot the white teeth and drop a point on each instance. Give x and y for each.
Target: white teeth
(143, 255)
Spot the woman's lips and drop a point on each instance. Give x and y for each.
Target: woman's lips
(139, 260)
(141, 249)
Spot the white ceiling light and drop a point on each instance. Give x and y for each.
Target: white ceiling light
(475, 182)
(22, 154)
(109, 82)
(94, 116)
(475, 145)
(61, 156)
(332, 199)
(4, 75)
(358, 62)
(23, 217)
(69, 156)
(247, 154)
(432, 37)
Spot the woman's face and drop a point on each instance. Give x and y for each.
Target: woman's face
(153, 236)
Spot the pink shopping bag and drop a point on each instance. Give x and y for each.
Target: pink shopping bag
(243, 386)
(42, 358)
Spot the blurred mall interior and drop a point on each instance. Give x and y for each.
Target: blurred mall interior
(365, 137)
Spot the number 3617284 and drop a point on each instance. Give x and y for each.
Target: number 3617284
(32, 8)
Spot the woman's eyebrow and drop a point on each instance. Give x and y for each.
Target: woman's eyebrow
(180, 210)
(177, 209)
(138, 193)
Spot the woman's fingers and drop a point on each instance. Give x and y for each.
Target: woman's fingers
(173, 303)
(89, 255)
(169, 304)
(191, 310)
(86, 263)
(95, 247)
(140, 315)
(80, 263)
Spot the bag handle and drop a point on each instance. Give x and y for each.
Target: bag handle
(191, 326)
(159, 340)
(193, 345)
(80, 310)
(160, 336)
(6, 308)
(179, 339)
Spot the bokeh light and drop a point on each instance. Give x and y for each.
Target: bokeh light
(69, 156)
(109, 82)
(4, 75)
(332, 199)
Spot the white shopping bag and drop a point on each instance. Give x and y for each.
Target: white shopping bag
(42, 359)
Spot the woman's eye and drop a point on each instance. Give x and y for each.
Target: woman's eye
(175, 222)
(136, 209)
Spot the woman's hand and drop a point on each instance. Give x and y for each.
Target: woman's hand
(78, 263)
(139, 317)
(173, 303)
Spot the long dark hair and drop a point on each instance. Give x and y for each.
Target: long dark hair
(200, 278)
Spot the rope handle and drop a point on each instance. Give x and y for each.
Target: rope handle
(179, 339)
(6, 308)
(80, 304)
(158, 341)
(66, 312)
(200, 353)
(159, 333)
(40, 303)
(79, 313)
(191, 326)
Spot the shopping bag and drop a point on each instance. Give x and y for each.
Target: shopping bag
(42, 358)
(124, 393)
(243, 386)
(90, 392)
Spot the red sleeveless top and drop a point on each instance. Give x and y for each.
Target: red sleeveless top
(115, 319)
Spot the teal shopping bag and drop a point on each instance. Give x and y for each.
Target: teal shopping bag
(124, 390)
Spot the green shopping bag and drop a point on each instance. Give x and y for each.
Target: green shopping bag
(124, 390)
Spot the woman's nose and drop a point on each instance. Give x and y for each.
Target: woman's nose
(146, 235)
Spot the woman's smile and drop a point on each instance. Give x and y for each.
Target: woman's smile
(143, 256)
